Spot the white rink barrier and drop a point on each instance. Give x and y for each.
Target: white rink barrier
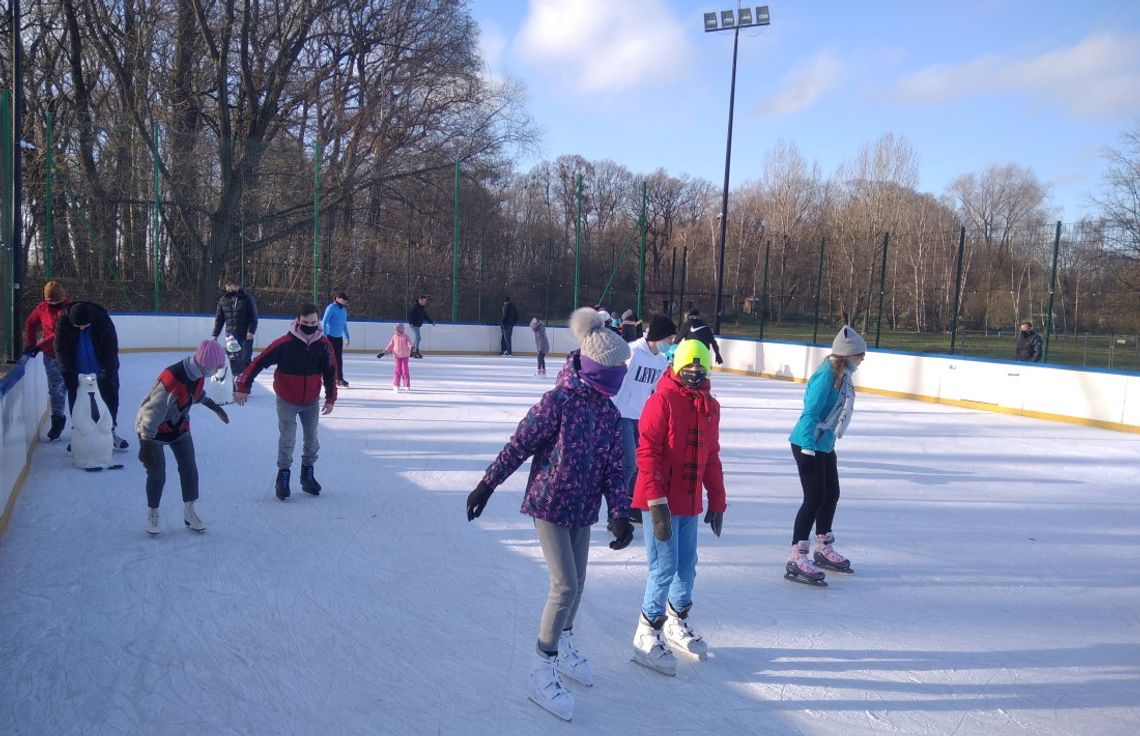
(1102, 398)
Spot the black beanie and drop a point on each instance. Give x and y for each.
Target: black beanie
(81, 313)
(660, 328)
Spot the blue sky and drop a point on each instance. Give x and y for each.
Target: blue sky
(1041, 84)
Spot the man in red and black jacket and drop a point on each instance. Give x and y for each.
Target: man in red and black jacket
(304, 360)
(39, 336)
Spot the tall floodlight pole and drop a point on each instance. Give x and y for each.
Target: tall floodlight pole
(728, 20)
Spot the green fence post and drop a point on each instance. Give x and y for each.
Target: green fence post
(818, 291)
(7, 238)
(316, 218)
(684, 275)
(455, 252)
(957, 289)
(549, 264)
(49, 170)
(156, 189)
(641, 257)
(764, 298)
(578, 241)
(672, 281)
(882, 289)
(1052, 286)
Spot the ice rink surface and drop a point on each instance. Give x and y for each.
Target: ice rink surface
(997, 585)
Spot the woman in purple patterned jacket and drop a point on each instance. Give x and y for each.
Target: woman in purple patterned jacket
(574, 437)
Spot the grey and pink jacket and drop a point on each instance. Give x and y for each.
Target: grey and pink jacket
(574, 437)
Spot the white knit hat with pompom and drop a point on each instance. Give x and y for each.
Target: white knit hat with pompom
(599, 343)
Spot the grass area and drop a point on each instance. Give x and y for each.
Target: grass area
(1118, 352)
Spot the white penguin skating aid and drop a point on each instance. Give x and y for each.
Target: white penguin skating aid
(92, 437)
(220, 386)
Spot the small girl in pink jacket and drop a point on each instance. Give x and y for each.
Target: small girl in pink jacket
(400, 347)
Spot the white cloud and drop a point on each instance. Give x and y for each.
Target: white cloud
(604, 45)
(1096, 78)
(492, 42)
(804, 85)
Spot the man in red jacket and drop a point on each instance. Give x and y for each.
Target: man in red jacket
(304, 360)
(678, 455)
(39, 336)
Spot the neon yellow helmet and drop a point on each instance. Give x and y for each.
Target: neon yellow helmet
(690, 350)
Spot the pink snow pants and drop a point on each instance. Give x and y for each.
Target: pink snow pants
(401, 372)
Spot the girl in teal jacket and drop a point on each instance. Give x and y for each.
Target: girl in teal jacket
(828, 403)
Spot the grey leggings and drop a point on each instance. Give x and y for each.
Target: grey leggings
(566, 550)
(183, 449)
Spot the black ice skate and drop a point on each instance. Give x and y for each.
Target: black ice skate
(281, 486)
(309, 482)
(800, 569)
(826, 556)
(793, 573)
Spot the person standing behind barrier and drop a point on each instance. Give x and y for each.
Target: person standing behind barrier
(416, 318)
(237, 312)
(39, 336)
(86, 343)
(335, 325)
(304, 360)
(829, 401)
(1028, 344)
(508, 317)
(541, 343)
(630, 328)
(646, 364)
(163, 420)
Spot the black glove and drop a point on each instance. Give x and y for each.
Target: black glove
(715, 520)
(635, 515)
(31, 351)
(622, 530)
(662, 522)
(150, 452)
(477, 500)
(719, 360)
(213, 406)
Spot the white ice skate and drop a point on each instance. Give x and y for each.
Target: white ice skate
(190, 518)
(152, 521)
(800, 569)
(826, 556)
(648, 648)
(571, 663)
(547, 690)
(681, 636)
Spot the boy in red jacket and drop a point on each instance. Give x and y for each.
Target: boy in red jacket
(304, 360)
(679, 452)
(39, 336)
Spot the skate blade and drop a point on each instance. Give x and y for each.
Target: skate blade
(552, 712)
(695, 656)
(649, 665)
(571, 678)
(831, 567)
(200, 531)
(805, 581)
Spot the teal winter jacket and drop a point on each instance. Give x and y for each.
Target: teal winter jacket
(819, 398)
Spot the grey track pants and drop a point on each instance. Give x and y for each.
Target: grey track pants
(287, 415)
(566, 550)
(183, 450)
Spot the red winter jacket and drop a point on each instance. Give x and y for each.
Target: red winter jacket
(679, 449)
(39, 330)
(303, 363)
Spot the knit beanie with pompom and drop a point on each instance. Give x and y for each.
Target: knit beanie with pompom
(603, 354)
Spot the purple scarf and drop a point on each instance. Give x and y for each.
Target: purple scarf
(605, 379)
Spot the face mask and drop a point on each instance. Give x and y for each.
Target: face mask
(307, 329)
(692, 376)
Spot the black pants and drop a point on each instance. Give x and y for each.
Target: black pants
(338, 353)
(183, 449)
(108, 390)
(542, 361)
(820, 480)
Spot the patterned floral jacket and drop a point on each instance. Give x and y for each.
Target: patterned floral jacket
(574, 437)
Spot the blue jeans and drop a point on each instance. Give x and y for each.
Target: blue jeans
(629, 438)
(415, 338)
(672, 567)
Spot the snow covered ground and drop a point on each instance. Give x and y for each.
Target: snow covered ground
(997, 587)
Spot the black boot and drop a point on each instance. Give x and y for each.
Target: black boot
(57, 424)
(309, 483)
(282, 485)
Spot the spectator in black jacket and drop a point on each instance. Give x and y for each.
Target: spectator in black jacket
(1028, 344)
(86, 342)
(697, 329)
(508, 318)
(416, 319)
(237, 312)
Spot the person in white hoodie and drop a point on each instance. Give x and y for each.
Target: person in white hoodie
(646, 364)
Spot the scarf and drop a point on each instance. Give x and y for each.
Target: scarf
(695, 436)
(606, 379)
(840, 415)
